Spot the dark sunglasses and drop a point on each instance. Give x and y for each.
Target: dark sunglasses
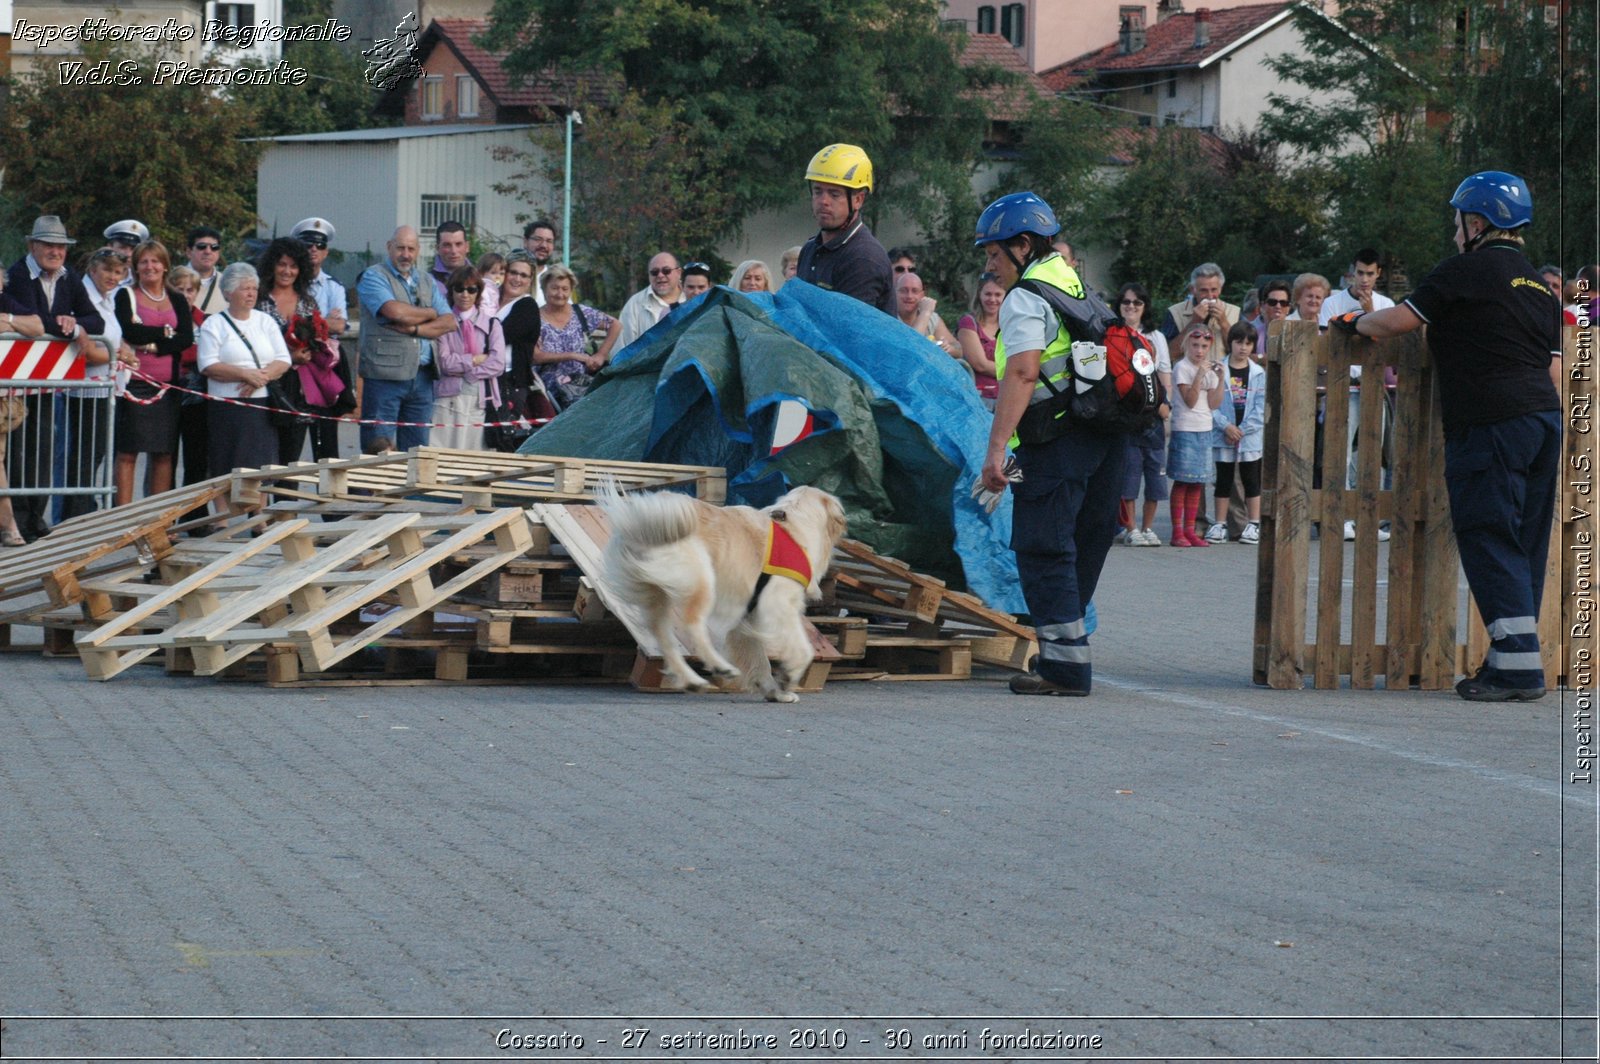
(314, 242)
(206, 247)
(697, 266)
(1132, 303)
(474, 289)
(662, 271)
(903, 269)
(107, 255)
(1276, 303)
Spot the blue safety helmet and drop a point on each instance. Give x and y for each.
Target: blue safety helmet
(1502, 198)
(1013, 215)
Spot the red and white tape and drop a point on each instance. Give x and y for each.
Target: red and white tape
(163, 387)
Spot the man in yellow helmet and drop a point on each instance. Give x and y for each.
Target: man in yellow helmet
(844, 256)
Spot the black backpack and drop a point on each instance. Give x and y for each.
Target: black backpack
(1118, 392)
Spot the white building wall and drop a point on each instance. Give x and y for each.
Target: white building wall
(352, 185)
(464, 164)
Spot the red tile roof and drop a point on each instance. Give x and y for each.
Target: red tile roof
(1007, 103)
(1168, 44)
(461, 35)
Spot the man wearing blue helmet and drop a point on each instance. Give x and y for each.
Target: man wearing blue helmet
(1495, 333)
(1064, 510)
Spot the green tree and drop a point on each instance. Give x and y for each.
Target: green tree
(335, 94)
(1409, 96)
(1061, 146)
(626, 145)
(1161, 214)
(1529, 107)
(172, 156)
(756, 89)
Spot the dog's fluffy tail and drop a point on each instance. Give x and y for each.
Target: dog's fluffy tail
(640, 522)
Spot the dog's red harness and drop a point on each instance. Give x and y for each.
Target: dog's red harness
(783, 558)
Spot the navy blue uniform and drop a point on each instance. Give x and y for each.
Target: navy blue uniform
(1493, 327)
(854, 264)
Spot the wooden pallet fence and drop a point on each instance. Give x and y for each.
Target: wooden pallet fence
(1421, 647)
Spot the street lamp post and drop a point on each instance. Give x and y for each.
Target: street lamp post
(574, 118)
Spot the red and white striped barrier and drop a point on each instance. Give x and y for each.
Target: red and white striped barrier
(39, 360)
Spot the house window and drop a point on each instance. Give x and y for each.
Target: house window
(466, 96)
(440, 208)
(432, 97)
(1013, 21)
(986, 18)
(236, 15)
(1150, 87)
(1172, 88)
(1144, 121)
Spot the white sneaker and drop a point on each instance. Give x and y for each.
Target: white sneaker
(1349, 531)
(1217, 533)
(1128, 537)
(1148, 538)
(1251, 533)
(1383, 534)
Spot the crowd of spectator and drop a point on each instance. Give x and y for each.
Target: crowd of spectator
(217, 368)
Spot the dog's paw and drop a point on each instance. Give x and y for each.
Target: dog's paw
(726, 677)
(782, 696)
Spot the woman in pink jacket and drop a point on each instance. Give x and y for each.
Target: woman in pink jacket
(468, 361)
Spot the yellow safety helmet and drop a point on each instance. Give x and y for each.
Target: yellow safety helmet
(841, 164)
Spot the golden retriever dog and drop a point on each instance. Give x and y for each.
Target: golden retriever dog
(729, 577)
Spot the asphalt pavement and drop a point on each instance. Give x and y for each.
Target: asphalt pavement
(1181, 866)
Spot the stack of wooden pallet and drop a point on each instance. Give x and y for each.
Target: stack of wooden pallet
(431, 566)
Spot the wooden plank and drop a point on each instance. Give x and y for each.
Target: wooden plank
(1285, 516)
(1331, 518)
(1441, 562)
(1369, 482)
(1403, 620)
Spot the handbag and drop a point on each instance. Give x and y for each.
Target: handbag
(282, 413)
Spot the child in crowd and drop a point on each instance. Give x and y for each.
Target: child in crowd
(1200, 390)
(492, 273)
(1147, 451)
(1240, 434)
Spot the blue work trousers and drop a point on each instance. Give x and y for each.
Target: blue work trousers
(1063, 518)
(391, 401)
(1502, 482)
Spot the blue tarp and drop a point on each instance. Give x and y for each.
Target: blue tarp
(899, 431)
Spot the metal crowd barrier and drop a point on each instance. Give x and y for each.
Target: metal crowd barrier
(59, 431)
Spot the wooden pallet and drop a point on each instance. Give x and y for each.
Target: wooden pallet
(477, 479)
(872, 585)
(54, 565)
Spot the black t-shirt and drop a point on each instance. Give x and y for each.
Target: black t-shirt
(856, 265)
(1493, 326)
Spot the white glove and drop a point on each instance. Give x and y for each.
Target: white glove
(991, 499)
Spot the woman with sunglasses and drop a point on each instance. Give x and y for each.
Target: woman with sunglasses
(1147, 450)
(469, 360)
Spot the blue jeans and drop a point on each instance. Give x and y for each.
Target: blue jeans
(410, 400)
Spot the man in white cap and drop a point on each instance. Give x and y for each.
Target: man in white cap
(127, 234)
(316, 234)
(42, 281)
(122, 237)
